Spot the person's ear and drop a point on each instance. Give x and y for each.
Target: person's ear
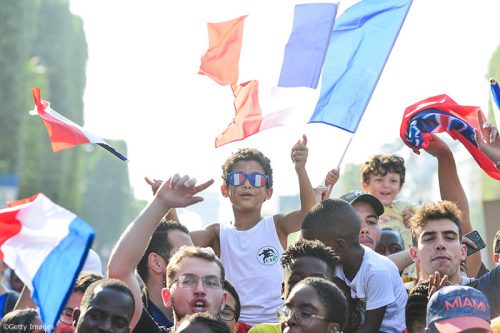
(464, 252)
(224, 190)
(156, 263)
(339, 245)
(333, 328)
(414, 254)
(496, 256)
(223, 303)
(269, 193)
(167, 298)
(364, 186)
(417, 326)
(76, 316)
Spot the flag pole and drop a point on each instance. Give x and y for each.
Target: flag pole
(329, 187)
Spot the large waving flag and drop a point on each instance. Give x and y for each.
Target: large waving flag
(442, 114)
(360, 45)
(63, 133)
(304, 56)
(46, 245)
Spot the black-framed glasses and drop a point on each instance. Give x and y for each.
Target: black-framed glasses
(256, 179)
(227, 314)
(301, 316)
(66, 316)
(191, 280)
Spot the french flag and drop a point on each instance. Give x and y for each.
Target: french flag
(63, 133)
(46, 245)
(348, 53)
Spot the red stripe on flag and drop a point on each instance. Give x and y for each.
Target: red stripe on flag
(61, 134)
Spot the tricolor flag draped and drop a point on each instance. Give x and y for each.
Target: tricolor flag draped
(46, 245)
(349, 54)
(442, 114)
(63, 133)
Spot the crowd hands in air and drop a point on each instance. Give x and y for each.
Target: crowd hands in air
(368, 261)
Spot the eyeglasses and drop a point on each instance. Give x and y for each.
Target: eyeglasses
(302, 317)
(66, 316)
(239, 178)
(191, 280)
(227, 314)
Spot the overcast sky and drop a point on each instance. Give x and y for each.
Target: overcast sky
(143, 86)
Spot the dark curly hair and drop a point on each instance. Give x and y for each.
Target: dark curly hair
(381, 164)
(435, 211)
(496, 243)
(310, 248)
(248, 154)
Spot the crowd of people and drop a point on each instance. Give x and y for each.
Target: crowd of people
(368, 261)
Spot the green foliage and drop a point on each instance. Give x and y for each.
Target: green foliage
(106, 193)
(16, 36)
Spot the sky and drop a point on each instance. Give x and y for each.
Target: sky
(143, 86)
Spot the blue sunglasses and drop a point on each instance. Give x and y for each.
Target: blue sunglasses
(239, 178)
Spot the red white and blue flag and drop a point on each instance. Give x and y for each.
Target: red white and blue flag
(349, 53)
(439, 114)
(64, 133)
(47, 246)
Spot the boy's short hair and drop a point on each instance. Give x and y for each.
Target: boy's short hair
(331, 297)
(204, 253)
(310, 248)
(206, 320)
(159, 244)
(381, 164)
(248, 154)
(496, 243)
(435, 211)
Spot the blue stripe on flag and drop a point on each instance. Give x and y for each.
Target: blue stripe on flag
(53, 282)
(307, 45)
(361, 42)
(495, 93)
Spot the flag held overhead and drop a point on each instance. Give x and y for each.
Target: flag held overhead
(442, 114)
(64, 133)
(362, 39)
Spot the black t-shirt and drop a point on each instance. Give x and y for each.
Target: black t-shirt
(489, 284)
(147, 324)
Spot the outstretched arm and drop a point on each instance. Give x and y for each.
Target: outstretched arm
(292, 222)
(175, 192)
(451, 189)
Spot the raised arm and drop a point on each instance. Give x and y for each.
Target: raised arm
(292, 222)
(451, 189)
(175, 192)
(488, 139)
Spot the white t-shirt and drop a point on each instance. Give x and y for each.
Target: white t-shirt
(251, 259)
(376, 284)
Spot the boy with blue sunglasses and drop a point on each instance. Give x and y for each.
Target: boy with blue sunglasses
(251, 246)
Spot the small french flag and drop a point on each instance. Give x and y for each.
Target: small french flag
(63, 133)
(46, 245)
